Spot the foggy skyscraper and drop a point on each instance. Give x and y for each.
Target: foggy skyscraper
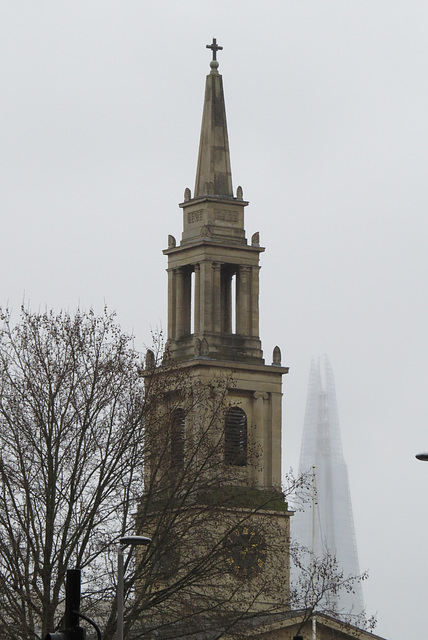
(328, 526)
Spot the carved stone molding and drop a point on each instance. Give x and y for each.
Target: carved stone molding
(260, 394)
(226, 215)
(205, 350)
(195, 216)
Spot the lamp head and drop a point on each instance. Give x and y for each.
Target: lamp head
(134, 541)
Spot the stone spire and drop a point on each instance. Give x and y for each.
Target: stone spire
(213, 174)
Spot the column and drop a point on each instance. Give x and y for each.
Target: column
(171, 303)
(254, 328)
(205, 297)
(276, 411)
(216, 297)
(243, 301)
(259, 456)
(179, 307)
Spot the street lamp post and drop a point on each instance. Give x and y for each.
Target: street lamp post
(127, 541)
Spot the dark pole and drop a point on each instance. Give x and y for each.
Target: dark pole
(72, 598)
(72, 629)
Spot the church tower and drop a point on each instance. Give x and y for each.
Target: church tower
(213, 302)
(213, 502)
(216, 461)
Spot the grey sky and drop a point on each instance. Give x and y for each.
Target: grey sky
(327, 106)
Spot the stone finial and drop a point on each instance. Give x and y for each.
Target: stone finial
(197, 347)
(276, 356)
(187, 194)
(171, 241)
(150, 360)
(239, 193)
(255, 239)
(167, 355)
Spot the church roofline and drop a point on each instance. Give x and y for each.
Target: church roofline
(264, 623)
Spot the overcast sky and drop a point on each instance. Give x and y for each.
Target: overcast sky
(327, 105)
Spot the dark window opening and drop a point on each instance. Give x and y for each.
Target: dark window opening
(235, 437)
(177, 438)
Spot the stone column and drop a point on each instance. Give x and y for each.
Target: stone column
(261, 453)
(254, 329)
(216, 299)
(206, 297)
(179, 303)
(275, 456)
(171, 304)
(243, 301)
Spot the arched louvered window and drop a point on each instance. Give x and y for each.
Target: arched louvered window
(177, 438)
(235, 437)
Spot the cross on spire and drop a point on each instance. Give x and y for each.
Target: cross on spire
(214, 48)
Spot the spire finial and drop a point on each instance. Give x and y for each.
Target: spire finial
(214, 48)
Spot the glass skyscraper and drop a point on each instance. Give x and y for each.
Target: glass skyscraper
(326, 522)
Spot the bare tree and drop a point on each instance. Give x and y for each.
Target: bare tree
(71, 469)
(92, 448)
(318, 582)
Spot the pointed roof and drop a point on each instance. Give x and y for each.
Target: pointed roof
(213, 174)
(329, 525)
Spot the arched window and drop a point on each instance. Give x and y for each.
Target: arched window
(177, 438)
(235, 437)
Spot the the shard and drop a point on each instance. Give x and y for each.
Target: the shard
(326, 522)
